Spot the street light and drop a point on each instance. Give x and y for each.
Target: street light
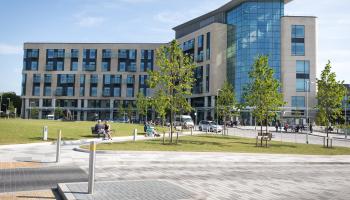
(8, 107)
(217, 110)
(195, 120)
(308, 83)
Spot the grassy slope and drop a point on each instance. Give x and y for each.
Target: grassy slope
(29, 131)
(224, 144)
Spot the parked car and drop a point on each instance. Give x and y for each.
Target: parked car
(185, 121)
(210, 126)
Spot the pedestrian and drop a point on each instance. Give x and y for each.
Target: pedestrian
(276, 126)
(99, 128)
(108, 131)
(311, 128)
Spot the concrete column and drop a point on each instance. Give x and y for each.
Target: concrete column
(111, 105)
(40, 108)
(213, 106)
(25, 108)
(85, 116)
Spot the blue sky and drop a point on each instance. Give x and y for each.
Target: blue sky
(142, 21)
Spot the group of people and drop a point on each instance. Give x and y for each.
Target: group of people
(294, 128)
(105, 129)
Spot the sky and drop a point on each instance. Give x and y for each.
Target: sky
(143, 21)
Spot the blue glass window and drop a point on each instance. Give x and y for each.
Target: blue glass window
(122, 66)
(298, 101)
(93, 92)
(70, 91)
(74, 66)
(116, 92)
(36, 91)
(105, 66)
(47, 91)
(130, 92)
(298, 40)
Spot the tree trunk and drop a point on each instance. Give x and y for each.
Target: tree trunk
(327, 129)
(171, 126)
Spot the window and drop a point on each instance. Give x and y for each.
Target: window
(303, 76)
(132, 67)
(60, 66)
(82, 79)
(93, 92)
(298, 40)
(34, 65)
(116, 92)
(208, 46)
(82, 91)
(106, 91)
(122, 53)
(48, 78)
(117, 79)
(130, 79)
(36, 78)
(47, 91)
(93, 53)
(122, 66)
(105, 66)
(70, 91)
(107, 79)
(74, 66)
(298, 102)
(142, 68)
(200, 41)
(50, 53)
(94, 78)
(132, 54)
(75, 53)
(130, 92)
(36, 91)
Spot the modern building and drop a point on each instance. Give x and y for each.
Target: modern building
(224, 43)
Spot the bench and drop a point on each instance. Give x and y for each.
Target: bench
(263, 137)
(94, 132)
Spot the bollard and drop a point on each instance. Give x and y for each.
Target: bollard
(58, 150)
(135, 134)
(92, 159)
(45, 133)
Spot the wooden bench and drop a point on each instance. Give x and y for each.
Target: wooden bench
(262, 136)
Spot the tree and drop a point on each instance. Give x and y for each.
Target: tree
(59, 113)
(226, 102)
(174, 78)
(160, 105)
(129, 111)
(121, 111)
(15, 100)
(330, 96)
(262, 94)
(142, 103)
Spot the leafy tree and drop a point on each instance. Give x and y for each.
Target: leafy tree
(160, 104)
(120, 111)
(142, 103)
(34, 113)
(226, 102)
(129, 111)
(15, 100)
(174, 78)
(59, 113)
(262, 94)
(330, 96)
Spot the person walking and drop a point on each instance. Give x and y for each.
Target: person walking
(311, 130)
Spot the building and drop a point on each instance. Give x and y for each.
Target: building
(224, 43)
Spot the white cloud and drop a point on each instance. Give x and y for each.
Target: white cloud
(6, 49)
(86, 21)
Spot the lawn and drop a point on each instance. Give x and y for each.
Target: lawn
(212, 143)
(21, 131)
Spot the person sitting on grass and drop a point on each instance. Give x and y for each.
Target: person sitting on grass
(108, 131)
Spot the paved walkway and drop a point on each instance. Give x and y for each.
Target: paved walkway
(209, 175)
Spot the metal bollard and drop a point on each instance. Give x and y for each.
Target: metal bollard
(58, 149)
(92, 159)
(135, 134)
(45, 133)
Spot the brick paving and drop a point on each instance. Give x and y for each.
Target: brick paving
(29, 195)
(13, 165)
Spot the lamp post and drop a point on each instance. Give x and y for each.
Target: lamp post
(346, 128)
(8, 108)
(195, 120)
(217, 109)
(308, 83)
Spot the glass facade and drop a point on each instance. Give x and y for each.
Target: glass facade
(255, 30)
(298, 40)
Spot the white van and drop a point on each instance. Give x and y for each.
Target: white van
(185, 121)
(51, 117)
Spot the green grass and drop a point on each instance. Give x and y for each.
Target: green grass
(28, 131)
(223, 144)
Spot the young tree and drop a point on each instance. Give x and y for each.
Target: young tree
(262, 94)
(174, 78)
(142, 104)
(160, 105)
(330, 96)
(121, 111)
(59, 113)
(226, 102)
(129, 111)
